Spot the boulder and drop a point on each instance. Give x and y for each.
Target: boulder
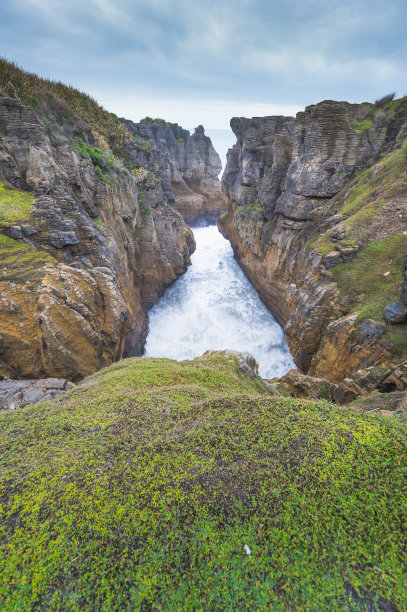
(308, 386)
(395, 313)
(347, 391)
(334, 258)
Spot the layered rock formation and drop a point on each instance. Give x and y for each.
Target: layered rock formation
(188, 166)
(317, 217)
(87, 244)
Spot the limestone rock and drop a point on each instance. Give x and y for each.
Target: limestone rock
(308, 386)
(286, 181)
(188, 166)
(394, 379)
(347, 391)
(93, 253)
(395, 313)
(16, 394)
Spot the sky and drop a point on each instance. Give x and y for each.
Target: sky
(195, 62)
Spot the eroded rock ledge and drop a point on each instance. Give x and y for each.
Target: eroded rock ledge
(188, 167)
(317, 217)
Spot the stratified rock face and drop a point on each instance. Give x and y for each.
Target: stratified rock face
(288, 184)
(189, 167)
(95, 249)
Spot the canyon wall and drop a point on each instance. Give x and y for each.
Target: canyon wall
(89, 231)
(188, 166)
(317, 217)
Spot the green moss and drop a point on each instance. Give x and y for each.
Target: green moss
(157, 120)
(397, 337)
(141, 487)
(98, 223)
(21, 263)
(15, 206)
(365, 279)
(361, 126)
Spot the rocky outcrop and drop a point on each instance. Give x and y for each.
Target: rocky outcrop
(88, 242)
(188, 167)
(15, 394)
(300, 203)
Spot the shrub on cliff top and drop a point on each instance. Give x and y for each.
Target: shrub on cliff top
(31, 89)
(383, 101)
(164, 485)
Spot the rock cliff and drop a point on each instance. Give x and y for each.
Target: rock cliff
(317, 216)
(89, 237)
(188, 166)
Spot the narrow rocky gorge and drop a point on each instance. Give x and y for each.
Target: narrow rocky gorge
(317, 217)
(91, 231)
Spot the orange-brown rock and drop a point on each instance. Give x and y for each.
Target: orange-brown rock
(80, 268)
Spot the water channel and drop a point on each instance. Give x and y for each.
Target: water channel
(214, 306)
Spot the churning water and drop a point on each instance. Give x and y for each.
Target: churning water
(214, 306)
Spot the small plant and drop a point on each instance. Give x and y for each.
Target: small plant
(145, 209)
(162, 122)
(361, 126)
(385, 100)
(102, 176)
(181, 141)
(98, 223)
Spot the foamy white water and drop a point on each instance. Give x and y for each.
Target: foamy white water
(214, 306)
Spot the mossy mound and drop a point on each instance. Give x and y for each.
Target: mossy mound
(20, 262)
(141, 488)
(15, 206)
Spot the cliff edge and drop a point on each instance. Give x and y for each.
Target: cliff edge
(317, 216)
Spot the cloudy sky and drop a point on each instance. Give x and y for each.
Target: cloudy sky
(202, 62)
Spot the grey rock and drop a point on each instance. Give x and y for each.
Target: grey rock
(29, 230)
(370, 331)
(62, 239)
(14, 232)
(403, 292)
(33, 397)
(50, 383)
(395, 313)
(332, 259)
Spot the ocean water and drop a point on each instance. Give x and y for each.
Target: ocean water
(214, 306)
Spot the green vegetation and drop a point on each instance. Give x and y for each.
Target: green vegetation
(32, 89)
(144, 208)
(248, 212)
(98, 223)
(374, 273)
(157, 120)
(21, 263)
(142, 486)
(181, 141)
(100, 160)
(362, 125)
(15, 206)
(370, 281)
